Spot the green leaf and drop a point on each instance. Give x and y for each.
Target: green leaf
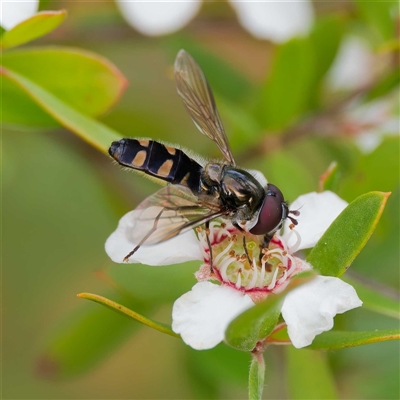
(163, 328)
(258, 322)
(32, 28)
(83, 340)
(245, 331)
(348, 234)
(377, 14)
(309, 375)
(325, 38)
(333, 340)
(286, 93)
(84, 80)
(329, 179)
(19, 109)
(256, 377)
(95, 133)
(375, 300)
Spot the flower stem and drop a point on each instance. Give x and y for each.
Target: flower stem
(163, 328)
(256, 376)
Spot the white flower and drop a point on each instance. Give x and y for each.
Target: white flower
(354, 66)
(276, 20)
(243, 278)
(369, 123)
(160, 17)
(14, 12)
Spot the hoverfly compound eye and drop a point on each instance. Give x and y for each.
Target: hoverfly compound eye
(272, 212)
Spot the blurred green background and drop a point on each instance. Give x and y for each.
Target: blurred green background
(62, 198)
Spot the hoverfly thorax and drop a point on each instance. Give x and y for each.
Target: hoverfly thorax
(239, 188)
(199, 192)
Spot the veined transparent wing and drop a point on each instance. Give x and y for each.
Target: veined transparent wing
(168, 212)
(196, 94)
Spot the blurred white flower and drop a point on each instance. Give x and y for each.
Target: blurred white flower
(367, 123)
(160, 17)
(354, 66)
(13, 12)
(276, 20)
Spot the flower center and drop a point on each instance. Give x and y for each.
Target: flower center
(240, 261)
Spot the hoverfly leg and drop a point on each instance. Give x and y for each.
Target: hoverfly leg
(265, 243)
(266, 240)
(236, 225)
(207, 225)
(149, 233)
(245, 250)
(126, 258)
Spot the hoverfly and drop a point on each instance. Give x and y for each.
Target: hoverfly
(198, 191)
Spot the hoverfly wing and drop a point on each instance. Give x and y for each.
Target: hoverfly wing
(168, 212)
(197, 96)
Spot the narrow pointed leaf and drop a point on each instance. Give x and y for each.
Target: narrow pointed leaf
(163, 328)
(258, 322)
(32, 28)
(348, 234)
(84, 80)
(340, 339)
(377, 301)
(309, 375)
(256, 377)
(95, 133)
(245, 331)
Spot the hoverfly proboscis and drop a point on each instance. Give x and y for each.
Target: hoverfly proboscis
(197, 191)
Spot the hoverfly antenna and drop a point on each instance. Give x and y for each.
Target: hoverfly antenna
(296, 213)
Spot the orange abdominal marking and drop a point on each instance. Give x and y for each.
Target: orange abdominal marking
(140, 158)
(144, 142)
(165, 168)
(185, 178)
(171, 150)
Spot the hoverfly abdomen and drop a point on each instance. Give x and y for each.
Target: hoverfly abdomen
(156, 159)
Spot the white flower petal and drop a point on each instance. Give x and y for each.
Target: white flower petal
(309, 310)
(14, 12)
(317, 212)
(374, 121)
(181, 248)
(353, 66)
(202, 315)
(158, 17)
(370, 139)
(276, 20)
